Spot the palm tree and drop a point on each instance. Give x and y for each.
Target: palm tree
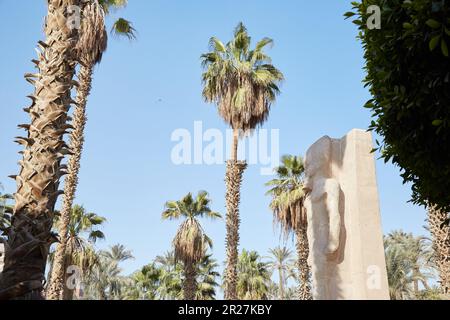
(143, 284)
(418, 252)
(118, 253)
(90, 48)
(408, 260)
(171, 282)
(243, 84)
(30, 236)
(190, 242)
(399, 273)
(82, 233)
(253, 277)
(105, 281)
(280, 260)
(439, 226)
(289, 212)
(5, 209)
(206, 278)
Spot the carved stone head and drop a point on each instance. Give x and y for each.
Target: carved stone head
(317, 161)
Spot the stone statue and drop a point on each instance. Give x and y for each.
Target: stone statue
(344, 228)
(325, 222)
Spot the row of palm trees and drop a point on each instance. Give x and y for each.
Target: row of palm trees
(411, 263)
(411, 267)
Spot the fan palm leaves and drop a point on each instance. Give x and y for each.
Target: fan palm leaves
(190, 242)
(253, 277)
(289, 213)
(243, 84)
(83, 232)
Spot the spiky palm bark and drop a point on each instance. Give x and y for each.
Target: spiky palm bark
(233, 180)
(304, 288)
(440, 231)
(57, 287)
(40, 170)
(91, 45)
(189, 283)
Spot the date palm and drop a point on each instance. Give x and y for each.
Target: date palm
(280, 261)
(90, 48)
(30, 236)
(190, 242)
(243, 84)
(105, 281)
(289, 212)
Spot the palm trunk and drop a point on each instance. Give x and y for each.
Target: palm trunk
(440, 231)
(30, 237)
(70, 184)
(189, 284)
(304, 288)
(233, 180)
(280, 273)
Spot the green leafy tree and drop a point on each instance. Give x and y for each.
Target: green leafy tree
(407, 64)
(243, 83)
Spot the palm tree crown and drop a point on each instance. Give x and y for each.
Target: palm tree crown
(242, 82)
(287, 193)
(190, 242)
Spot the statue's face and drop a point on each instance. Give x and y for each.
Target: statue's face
(317, 161)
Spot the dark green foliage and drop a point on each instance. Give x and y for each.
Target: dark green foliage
(408, 74)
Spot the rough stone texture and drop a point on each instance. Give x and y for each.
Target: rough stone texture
(344, 227)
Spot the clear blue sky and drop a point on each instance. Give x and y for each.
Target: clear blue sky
(145, 89)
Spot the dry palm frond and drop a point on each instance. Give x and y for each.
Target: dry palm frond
(190, 242)
(93, 36)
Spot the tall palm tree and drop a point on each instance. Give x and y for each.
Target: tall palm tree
(190, 242)
(289, 212)
(82, 233)
(439, 226)
(253, 277)
(30, 236)
(243, 84)
(90, 48)
(280, 261)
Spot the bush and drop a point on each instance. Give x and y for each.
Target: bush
(408, 66)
